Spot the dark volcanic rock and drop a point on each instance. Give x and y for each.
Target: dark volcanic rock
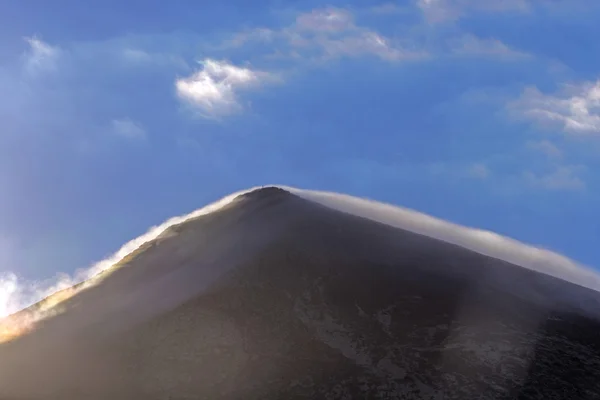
(275, 297)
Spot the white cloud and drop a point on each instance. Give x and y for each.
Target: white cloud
(128, 129)
(40, 56)
(472, 45)
(213, 90)
(10, 294)
(444, 10)
(564, 177)
(547, 148)
(576, 110)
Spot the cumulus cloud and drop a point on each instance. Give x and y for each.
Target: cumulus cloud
(128, 129)
(563, 177)
(472, 45)
(575, 110)
(40, 56)
(213, 90)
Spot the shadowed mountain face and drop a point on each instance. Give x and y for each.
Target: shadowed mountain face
(276, 297)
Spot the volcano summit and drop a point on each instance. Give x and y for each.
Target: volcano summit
(286, 294)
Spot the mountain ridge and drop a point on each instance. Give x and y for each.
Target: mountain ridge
(265, 193)
(275, 296)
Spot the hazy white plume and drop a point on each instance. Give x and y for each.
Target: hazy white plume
(483, 242)
(213, 90)
(16, 294)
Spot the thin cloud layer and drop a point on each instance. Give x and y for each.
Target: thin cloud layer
(473, 45)
(447, 10)
(547, 148)
(329, 20)
(479, 171)
(128, 129)
(40, 56)
(213, 90)
(575, 110)
(563, 177)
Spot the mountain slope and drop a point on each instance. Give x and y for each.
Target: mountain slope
(274, 296)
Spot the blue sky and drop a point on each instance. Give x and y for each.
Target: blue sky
(117, 115)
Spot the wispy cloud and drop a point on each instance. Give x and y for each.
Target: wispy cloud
(331, 20)
(473, 45)
(40, 56)
(478, 170)
(136, 57)
(6, 250)
(547, 148)
(325, 34)
(128, 129)
(575, 110)
(564, 177)
(335, 33)
(213, 90)
(387, 9)
(444, 10)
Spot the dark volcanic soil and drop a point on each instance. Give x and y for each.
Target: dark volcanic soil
(275, 297)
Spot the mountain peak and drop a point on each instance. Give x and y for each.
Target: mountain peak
(265, 192)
